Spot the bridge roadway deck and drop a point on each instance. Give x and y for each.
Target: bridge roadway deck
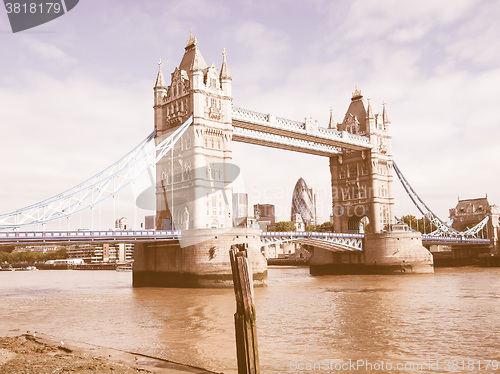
(131, 236)
(271, 131)
(85, 236)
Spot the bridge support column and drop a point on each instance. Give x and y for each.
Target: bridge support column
(199, 260)
(397, 252)
(392, 252)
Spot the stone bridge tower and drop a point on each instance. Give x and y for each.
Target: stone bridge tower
(193, 188)
(362, 198)
(194, 182)
(362, 180)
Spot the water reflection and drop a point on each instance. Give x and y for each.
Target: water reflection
(194, 326)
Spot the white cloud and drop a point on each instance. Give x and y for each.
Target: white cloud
(56, 133)
(408, 20)
(47, 51)
(435, 63)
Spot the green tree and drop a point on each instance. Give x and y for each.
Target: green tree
(61, 253)
(284, 226)
(28, 256)
(419, 224)
(311, 228)
(4, 257)
(326, 227)
(7, 248)
(31, 257)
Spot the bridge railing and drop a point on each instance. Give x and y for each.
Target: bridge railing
(309, 234)
(40, 236)
(454, 239)
(289, 141)
(270, 120)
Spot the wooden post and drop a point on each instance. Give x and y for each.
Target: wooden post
(244, 318)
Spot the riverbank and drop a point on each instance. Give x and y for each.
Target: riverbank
(39, 354)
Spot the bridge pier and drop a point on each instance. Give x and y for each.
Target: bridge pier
(199, 260)
(393, 252)
(397, 252)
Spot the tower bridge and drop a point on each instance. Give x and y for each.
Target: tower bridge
(195, 124)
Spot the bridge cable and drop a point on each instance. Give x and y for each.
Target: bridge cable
(67, 203)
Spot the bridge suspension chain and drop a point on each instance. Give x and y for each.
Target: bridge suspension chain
(442, 228)
(95, 190)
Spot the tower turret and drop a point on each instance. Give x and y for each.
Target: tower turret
(226, 86)
(160, 92)
(371, 122)
(385, 117)
(331, 123)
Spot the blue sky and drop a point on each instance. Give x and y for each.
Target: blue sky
(76, 93)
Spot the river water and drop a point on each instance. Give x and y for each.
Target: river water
(441, 323)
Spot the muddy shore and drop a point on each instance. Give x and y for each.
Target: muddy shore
(42, 354)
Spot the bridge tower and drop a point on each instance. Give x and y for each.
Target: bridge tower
(362, 180)
(363, 200)
(194, 181)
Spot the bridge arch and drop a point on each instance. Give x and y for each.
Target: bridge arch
(358, 224)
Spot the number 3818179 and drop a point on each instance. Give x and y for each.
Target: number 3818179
(33, 8)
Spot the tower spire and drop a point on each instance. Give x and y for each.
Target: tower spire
(385, 116)
(224, 70)
(331, 124)
(160, 82)
(356, 95)
(369, 111)
(192, 39)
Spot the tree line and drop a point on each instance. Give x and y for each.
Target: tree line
(287, 226)
(32, 257)
(419, 224)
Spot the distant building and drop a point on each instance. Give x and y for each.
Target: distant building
(298, 222)
(122, 224)
(150, 222)
(265, 215)
(304, 203)
(265, 212)
(240, 208)
(469, 212)
(250, 222)
(102, 253)
(264, 225)
(38, 248)
(289, 251)
(83, 251)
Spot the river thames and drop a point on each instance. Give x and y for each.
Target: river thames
(446, 322)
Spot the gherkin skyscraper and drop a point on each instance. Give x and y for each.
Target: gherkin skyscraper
(304, 203)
